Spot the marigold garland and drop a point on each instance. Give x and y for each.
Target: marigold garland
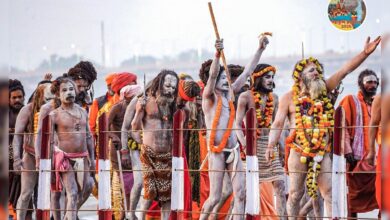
(225, 138)
(312, 119)
(263, 118)
(261, 72)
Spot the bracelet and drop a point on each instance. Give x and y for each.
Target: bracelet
(124, 151)
(218, 54)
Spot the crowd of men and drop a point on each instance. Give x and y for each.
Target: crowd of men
(140, 122)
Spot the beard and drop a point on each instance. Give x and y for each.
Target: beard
(165, 99)
(315, 87)
(368, 93)
(16, 107)
(263, 89)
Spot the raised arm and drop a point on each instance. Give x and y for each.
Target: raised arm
(126, 126)
(20, 128)
(373, 129)
(241, 80)
(352, 64)
(277, 125)
(240, 115)
(208, 91)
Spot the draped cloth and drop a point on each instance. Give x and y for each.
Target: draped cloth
(361, 186)
(157, 174)
(62, 163)
(267, 207)
(268, 172)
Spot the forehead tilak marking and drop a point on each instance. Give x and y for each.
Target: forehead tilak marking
(370, 78)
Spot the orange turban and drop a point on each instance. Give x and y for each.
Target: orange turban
(121, 80)
(188, 90)
(109, 78)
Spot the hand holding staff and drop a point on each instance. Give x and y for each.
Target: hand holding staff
(221, 51)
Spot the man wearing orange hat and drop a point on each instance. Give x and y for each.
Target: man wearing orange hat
(260, 96)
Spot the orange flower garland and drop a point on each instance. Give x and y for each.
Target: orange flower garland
(261, 72)
(263, 118)
(312, 120)
(225, 138)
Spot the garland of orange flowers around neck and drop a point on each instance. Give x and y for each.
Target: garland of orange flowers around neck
(313, 118)
(225, 138)
(263, 118)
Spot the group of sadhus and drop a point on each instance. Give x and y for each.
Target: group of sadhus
(140, 122)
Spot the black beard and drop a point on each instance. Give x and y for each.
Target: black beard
(264, 90)
(15, 110)
(368, 96)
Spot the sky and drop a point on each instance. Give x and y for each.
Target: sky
(31, 31)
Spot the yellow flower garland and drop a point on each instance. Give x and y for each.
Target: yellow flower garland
(263, 118)
(310, 133)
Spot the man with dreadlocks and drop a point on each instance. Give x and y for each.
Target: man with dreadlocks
(361, 186)
(154, 114)
(310, 113)
(27, 122)
(83, 74)
(73, 150)
(16, 100)
(219, 114)
(265, 102)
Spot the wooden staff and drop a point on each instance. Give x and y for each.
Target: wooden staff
(222, 53)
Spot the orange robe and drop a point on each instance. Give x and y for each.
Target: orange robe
(267, 206)
(361, 196)
(205, 185)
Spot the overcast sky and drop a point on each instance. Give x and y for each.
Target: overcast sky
(31, 30)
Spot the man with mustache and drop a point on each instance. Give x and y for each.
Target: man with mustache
(154, 114)
(27, 122)
(310, 113)
(358, 113)
(16, 101)
(73, 150)
(219, 112)
(261, 97)
(43, 113)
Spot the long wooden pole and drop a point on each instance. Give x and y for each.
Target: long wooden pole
(222, 53)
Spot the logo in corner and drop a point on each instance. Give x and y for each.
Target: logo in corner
(347, 15)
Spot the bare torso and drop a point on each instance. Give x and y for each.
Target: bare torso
(153, 135)
(70, 126)
(209, 108)
(250, 103)
(291, 117)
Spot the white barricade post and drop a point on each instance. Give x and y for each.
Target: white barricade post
(177, 192)
(43, 203)
(104, 185)
(252, 208)
(339, 179)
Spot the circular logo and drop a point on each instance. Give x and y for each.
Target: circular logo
(347, 15)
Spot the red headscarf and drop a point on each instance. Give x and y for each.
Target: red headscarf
(121, 80)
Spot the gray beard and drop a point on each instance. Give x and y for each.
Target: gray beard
(315, 87)
(164, 100)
